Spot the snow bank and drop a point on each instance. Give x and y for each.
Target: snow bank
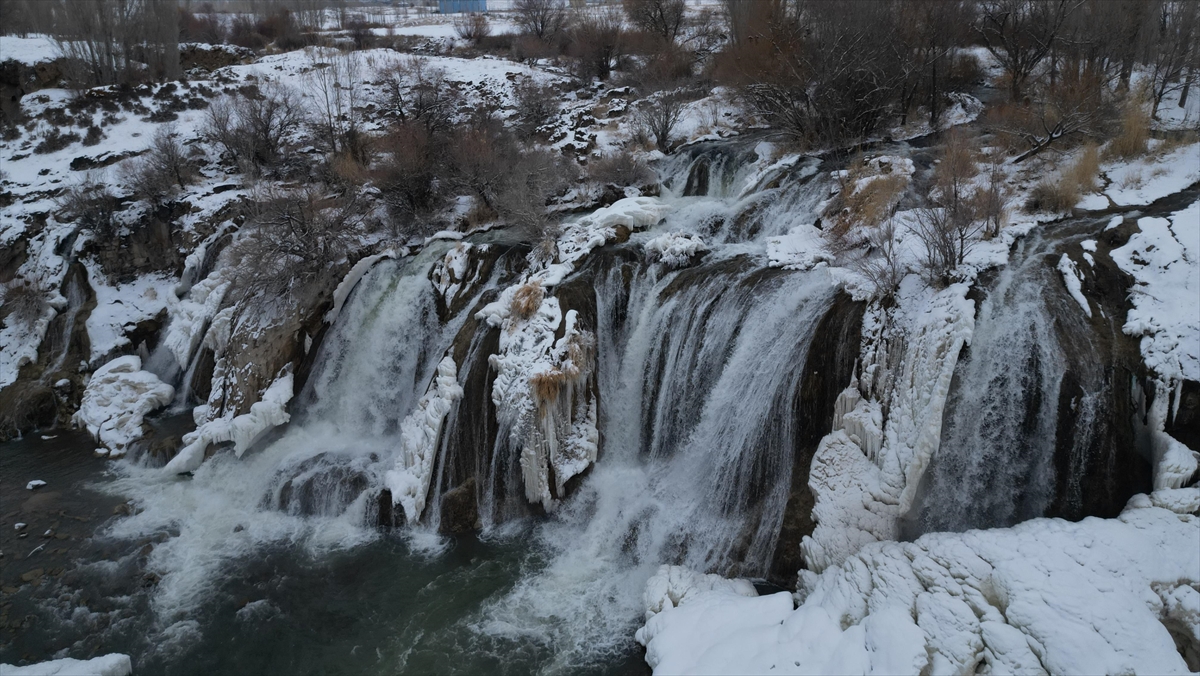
(1145, 180)
(242, 430)
(597, 228)
(114, 664)
(675, 249)
(30, 50)
(419, 432)
(864, 476)
(117, 399)
(119, 308)
(1046, 596)
(1164, 259)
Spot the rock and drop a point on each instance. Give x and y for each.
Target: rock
(460, 509)
(35, 484)
(32, 575)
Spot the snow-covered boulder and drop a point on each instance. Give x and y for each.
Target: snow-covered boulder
(117, 399)
(676, 249)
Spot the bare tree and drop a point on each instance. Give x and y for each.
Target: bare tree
(663, 18)
(162, 169)
(882, 264)
(1172, 53)
(658, 116)
(1021, 33)
(543, 19)
(416, 92)
(113, 41)
(254, 128)
(472, 27)
(597, 40)
(949, 227)
(335, 80)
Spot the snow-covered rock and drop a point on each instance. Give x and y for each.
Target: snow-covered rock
(419, 432)
(113, 664)
(676, 249)
(242, 430)
(802, 248)
(1046, 596)
(36, 483)
(118, 398)
(1074, 282)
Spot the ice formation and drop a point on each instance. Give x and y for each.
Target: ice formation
(676, 249)
(342, 292)
(242, 430)
(36, 483)
(1071, 277)
(114, 664)
(1045, 596)
(190, 317)
(864, 476)
(409, 481)
(802, 248)
(118, 397)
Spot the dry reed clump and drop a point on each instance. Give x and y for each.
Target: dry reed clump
(1086, 169)
(866, 199)
(1135, 133)
(21, 302)
(527, 300)
(545, 387)
(1053, 196)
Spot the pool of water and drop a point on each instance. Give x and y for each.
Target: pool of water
(389, 603)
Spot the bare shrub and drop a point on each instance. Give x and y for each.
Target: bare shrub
(991, 200)
(93, 136)
(162, 170)
(488, 163)
(951, 224)
(91, 204)
(408, 172)
(205, 28)
(296, 240)
(472, 27)
(543, 19)
(21, 302)
(527, 299)
(868, 196)
(335, 81)
(596, 41)
(537, 105)
(419, 93)
(54, 140)
(658, 116)
(620, 169)
(254, 128)
(882, 266)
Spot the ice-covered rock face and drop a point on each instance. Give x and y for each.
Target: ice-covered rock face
(117, 399)
(1047, 596)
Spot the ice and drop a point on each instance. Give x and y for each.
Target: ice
(1071, 277)
(1046, 596)
(242, 430)
(801, 249)
(113, 664)
(118, 398)
(351, 280)
(419, 433)
(676, 249)
(36, 483)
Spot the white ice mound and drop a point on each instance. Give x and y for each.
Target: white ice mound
(672, 586)
(597, 228)
(117, 399)
(409, 481)
(242, 430)
(1046, 596)
(114, 664)
(676, 249)
(801, 249)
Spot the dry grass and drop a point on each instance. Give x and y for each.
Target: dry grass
(1053, 196)
(545, 387)
(21, 302)
(1135, 133)
(1086, 169)
(864, 203)
(526, 300)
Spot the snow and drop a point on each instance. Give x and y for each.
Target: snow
(1074, 282)
(119, 308)
(30, 50)
(1044, 596)
(1164, 259)
(190, 316)
(419, 433)
(242, 430)
(117, 399)
(675, 249)
(113, 664)
(1144, 180)
(864, 474)
(802, 248)
(36, 483)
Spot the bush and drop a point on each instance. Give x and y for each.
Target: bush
(537, 105)
(54, 140)
(205, 28)
(21, 303)
(658, 116)
(472, 27)
(418, 93)
(620, 169)
(540, 19)
(527, 299)
(92, 205)
(162, 170)
(254, 127)
(1086, 169)
(596, 41)
(409, 171)
(1053, 196)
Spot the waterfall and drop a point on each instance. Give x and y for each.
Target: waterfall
(699, 373)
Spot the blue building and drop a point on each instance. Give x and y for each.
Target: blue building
(456, 6)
